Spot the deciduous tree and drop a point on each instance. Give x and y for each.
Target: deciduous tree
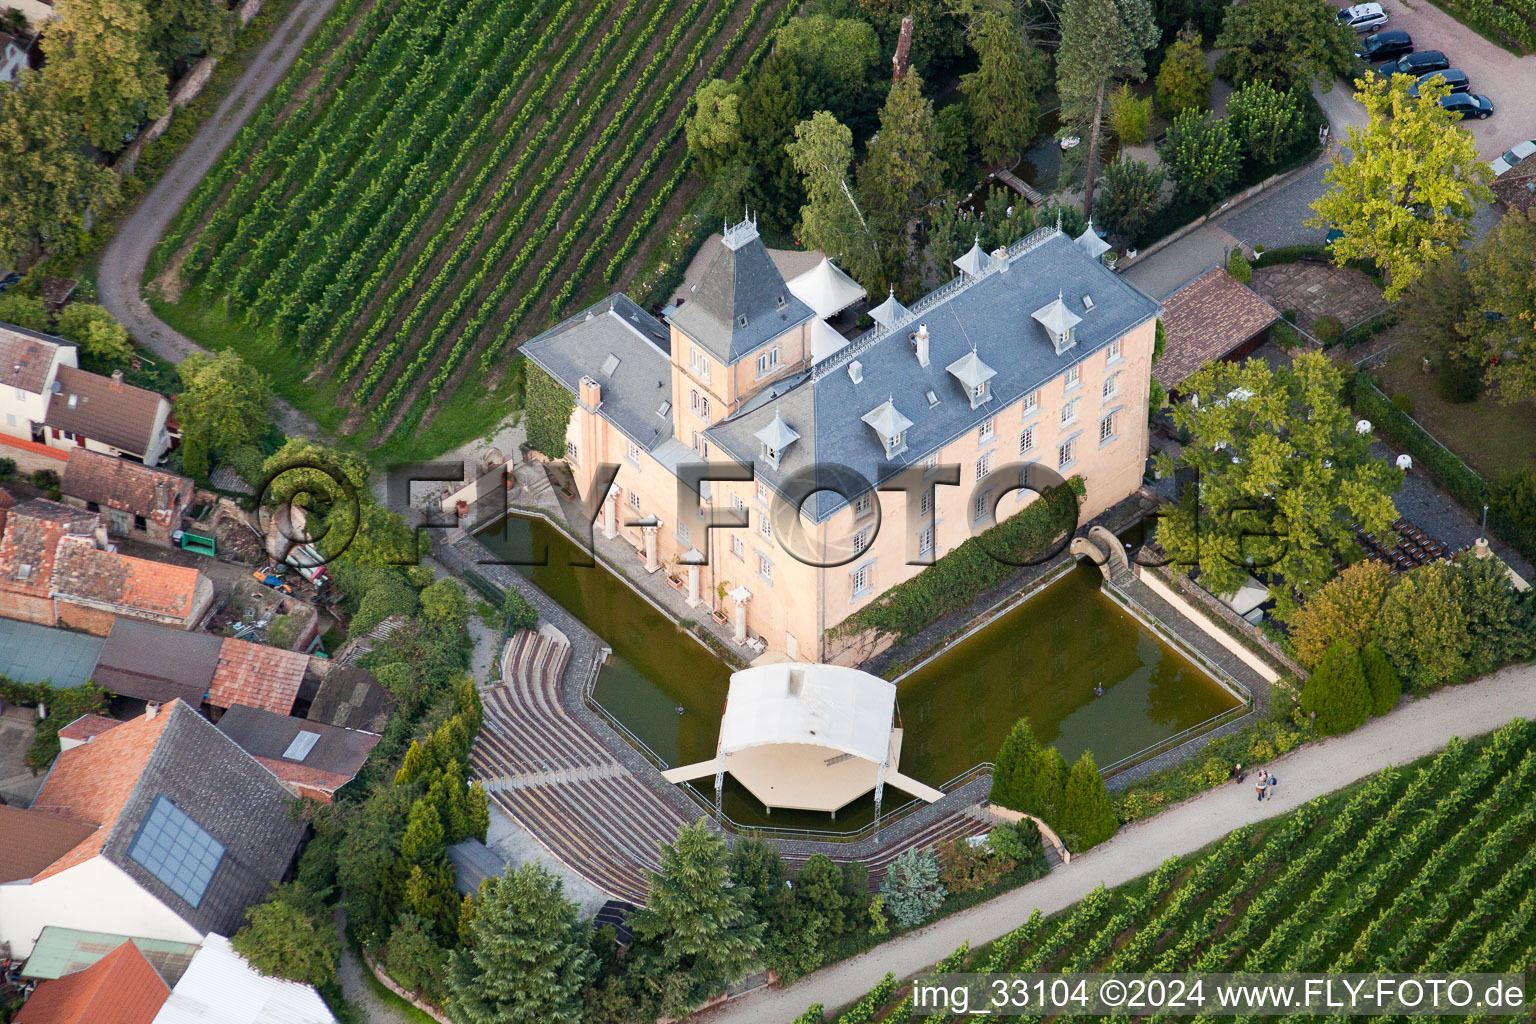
(23, 310)
(1287, 43)
(290, 935)
(1201, 155)
(1501, 324)
(714, 129)
(838, 59)
(101, 63)
(525, 957)
(832, 219)
(1284, 478)
(1408, 193)
(1344, 611)
(224, 406)
(97, 333)
(1422, 628)
(1102, 42)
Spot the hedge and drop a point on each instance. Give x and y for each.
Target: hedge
(954, 581)
(1469, 489)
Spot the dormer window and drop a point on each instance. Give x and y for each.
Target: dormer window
(1059, 323)
(775, 438)
(890, 426)
(741, 320)
(975, 376)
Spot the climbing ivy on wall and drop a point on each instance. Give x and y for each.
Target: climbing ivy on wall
(548, 407)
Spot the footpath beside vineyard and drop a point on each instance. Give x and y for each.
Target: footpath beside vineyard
(1414, 730)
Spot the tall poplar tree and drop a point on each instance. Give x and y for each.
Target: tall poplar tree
(1102, 41)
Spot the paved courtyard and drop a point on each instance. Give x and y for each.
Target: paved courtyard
(1317, 289)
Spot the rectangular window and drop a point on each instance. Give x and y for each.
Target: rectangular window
(925, 541)
(570, 448)
(736, 547)
(762, 492)
(1069, 412)
(988, 430)
(1065, 454)
(1111, 386)
(979, 508)
(931, 463)
(768, 362)
(1074, 375)
(699, 363)
(1031, 402)
(983, 465)
(634, 452)
(737, 505)
(862, 505)
(764, 527)
(861, 540)
(1026, 440)
(1112, 354)
(634, 500)
(925, 503)
(682, 533)
(860, 579)
(1107, 427)
(765, 568)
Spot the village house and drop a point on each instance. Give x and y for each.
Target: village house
(138, 502)
(57, 569)
(161, 827)
(29, 366)
(1033, 354)
(310, 759)
(14, 53)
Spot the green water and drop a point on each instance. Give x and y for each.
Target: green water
(1041, 660)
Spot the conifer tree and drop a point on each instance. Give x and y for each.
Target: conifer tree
(1337, 692)
(902, 172)
(1001, 91)
(1086, 809)
(1381, 679)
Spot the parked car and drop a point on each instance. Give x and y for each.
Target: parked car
(1416, 64)
(1363, 17)
(1385, 45)
(1467, 104)
(1509, 159)
(1454, 77)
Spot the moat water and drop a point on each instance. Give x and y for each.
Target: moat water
(1041, 660)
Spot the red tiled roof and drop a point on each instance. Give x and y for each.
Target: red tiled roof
(1516, 187)
(32, 840)
(29, 546)
(125, 485)
(87, 726)
(120, 988)
(33, 448)
(104, 409)
(1206, 319)
(84, 572)
(92, 782)
(25, 357)
(257, 676)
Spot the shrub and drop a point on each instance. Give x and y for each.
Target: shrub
(912, 889)
(1328, 330)
(1381, 679)
(1337, 692)
(963, 867)
(7, 469)
(1458, 380)
(1238, 266)
(444, 601)
(1019, 842)
(46, 479)
(519, 613)
(1201, 155)
(1402, 403)
(1129, 116)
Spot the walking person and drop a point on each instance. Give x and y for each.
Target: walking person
(1269, 783)
(1259, 787)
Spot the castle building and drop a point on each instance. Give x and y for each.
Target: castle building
(1035, 354)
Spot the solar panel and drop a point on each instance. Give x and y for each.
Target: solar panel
(176, 850)
(302, 744)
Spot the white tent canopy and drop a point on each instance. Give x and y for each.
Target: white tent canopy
(842, 709)
(824, 340)
(826, 289)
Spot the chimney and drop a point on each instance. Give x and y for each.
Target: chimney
(160, 499)
(117, 380)
(902, 59)
(591, 393)
(920, 341)
(1000, 258)
(856, 372)
(151, 709)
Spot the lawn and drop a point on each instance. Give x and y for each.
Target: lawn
(1491, 438)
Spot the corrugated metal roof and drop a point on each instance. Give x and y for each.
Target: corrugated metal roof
(220, 987)
(61, 951)
(41, 654)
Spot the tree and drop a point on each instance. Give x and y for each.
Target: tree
(714, 129)
(289, 935)
(1129, 116)
(955, 129)
(831, 219)
(1500, 328)
(911, 887)
(1102, 42)
(23, 310)
(1287, 43)
(182, 29)
(1264, 121)
(520, 614)
(525, 957)
(1336, 693)
(838, 58)
(1183, 82)
(101, 63)
(368, 864)
(901, 172)
(1029, 776)
(97, 333)
(414, 956)
(1380, 679)
(1001, 91)
(1422, 628)
(1201, 155)
(1132, 194)
(758, 868)
(224, 406)
(1285, 480)
(1343, 611)
(49, 180)
(771, 106)
(1409, 193)
(1087, 813)
(444, 601)
(693, 923)
(1499, 626)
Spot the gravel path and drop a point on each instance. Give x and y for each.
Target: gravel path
(356, 988)
(1416, 728)
(122, 263)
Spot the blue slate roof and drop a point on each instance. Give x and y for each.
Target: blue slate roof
(741, 302)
